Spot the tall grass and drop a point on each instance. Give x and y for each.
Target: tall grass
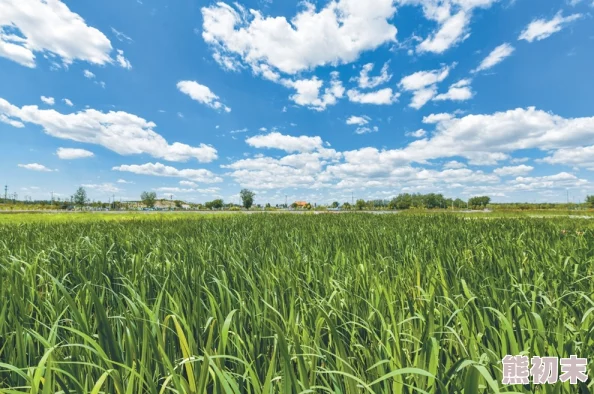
(291, 304)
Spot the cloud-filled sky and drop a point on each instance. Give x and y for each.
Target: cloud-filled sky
(317, 101)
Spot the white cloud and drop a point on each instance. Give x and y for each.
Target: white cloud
(188, 183)
(487, 139)
(460, 91)
(423, 85)
(422, 79)
(202, 94)
(562, 179)
(420, 133)
(380, 97)
(358, 120)
(539, 29)
(70, 153)
(437, 118)
(513, 171)
(122, 61)
(453, 19)
(495, 57)
(123, 181)
(12, 122)
(287, 143)
(581, 156)
(308, 92)
(303, 170)
(335, 34)
(48, 26)
(212, 190)
(119, 131)
(453, 165)
(88, 74)
(68, 102)
(453, 31)
(365, 130)
(244, 130)
(103, 187)
(48, 100)
(35, 167)
(158, 169)
(121, 36)
(366, 82)
(423, 96)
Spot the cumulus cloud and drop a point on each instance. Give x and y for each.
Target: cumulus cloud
(28, 27)
(420, 133)
(103, 187)
(366, 82)
(158, 169)
(12, 122)
(495, 57)
(211, 190)
(453, 20)
(70, 153)
(335, 34)
(122, 61)
(459, 91)
(202, 94)
(68, 102)
(358, 120)
(88, 74)
(365, 130)
(453, 165)
(36, 167)
(384, 96)
(539, 29)
(287, 143)
(513, 171)
(423, 85)
(562, 179)
(308, 92)
(487, 139)
(580, 156)
(48, 100)
(121, 132)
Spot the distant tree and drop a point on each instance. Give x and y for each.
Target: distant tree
(458, 203)
(335, 204)
(217, 204)
(80, 197)
(247, 196)
(479, 202)
(148, 199)
(360, 204)
(346, 205)
(268, 205)
(178, 204)
(590, 201)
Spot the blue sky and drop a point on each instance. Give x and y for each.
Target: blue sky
(316, 101)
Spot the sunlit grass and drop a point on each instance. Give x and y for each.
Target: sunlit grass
(289, 304)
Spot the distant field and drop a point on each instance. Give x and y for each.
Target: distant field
(194, 303)
(36, 216)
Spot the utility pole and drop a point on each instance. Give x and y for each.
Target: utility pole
(5, 192)
(286, 206)
(52, 200)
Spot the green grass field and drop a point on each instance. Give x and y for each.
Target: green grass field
(262, 304)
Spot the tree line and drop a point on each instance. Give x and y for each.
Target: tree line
(403, 201)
